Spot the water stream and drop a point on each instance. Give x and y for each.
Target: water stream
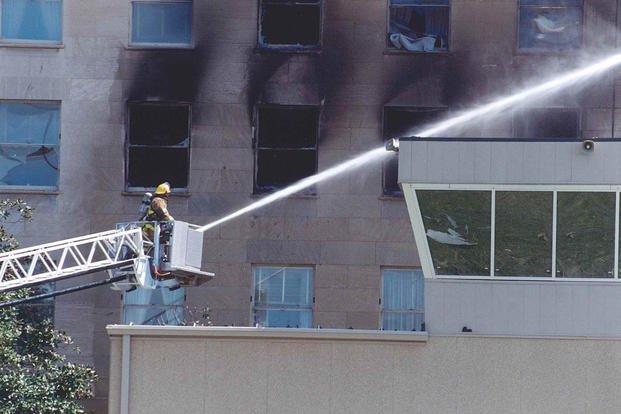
(490, 109)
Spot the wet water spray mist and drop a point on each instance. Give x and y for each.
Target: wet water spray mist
(492, 108)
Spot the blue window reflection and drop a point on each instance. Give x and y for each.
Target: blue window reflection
(162, 22)
(403, 300)
(31, 20)
(29, 144)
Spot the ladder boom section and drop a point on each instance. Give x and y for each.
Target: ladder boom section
(68, 258)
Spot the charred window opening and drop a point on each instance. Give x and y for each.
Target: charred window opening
(399, 122)
(158, 22)
(29, 144)
(418, 25)
(550, 25)
(290, 24)
(286, 146)
(546, 123)
(158, 145)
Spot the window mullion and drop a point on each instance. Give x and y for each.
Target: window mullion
(554, 229)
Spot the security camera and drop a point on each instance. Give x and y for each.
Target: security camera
(588, 145)
(392, 145)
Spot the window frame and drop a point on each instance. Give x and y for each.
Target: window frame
(254, 308)
(425, 254)
(136, 189)
(542, 50)
(160, 45)
(262, 46)
(4, 41)
(256, 148)
(393, 50)
(37, 188)
(416, 272)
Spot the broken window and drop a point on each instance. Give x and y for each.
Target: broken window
(400, 122)
(286, 149)
(403, 300)
(159, 22)
(158, 146)
(29, 144)
(283, 297)
(31, 21)
(550, 25)
(290, 23)
(546, 123)
(418, 25)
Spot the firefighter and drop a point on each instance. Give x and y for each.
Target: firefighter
(158, 211)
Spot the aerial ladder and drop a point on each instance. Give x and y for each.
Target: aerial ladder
(129, 255)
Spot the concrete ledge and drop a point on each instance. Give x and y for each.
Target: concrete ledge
(263, 333)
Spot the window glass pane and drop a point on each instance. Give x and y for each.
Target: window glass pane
(283, 296)
(280, 318)
(159, 306)
(420, 2)
(402, 290)
(290, 24)
(546, 123)
(401, 321)
(29, 137)
(523, 233)
(550, 28)
(161, 22)
(31, 20)
(585, 235)
(457, 224)
(551, 3)
(419, 28)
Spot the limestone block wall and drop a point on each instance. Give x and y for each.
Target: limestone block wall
(230, 370)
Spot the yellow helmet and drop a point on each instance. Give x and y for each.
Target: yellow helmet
(163, 188)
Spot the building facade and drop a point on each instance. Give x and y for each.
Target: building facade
(230, 100)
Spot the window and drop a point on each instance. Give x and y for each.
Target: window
(419, 25)
(550, 25)
(290, 24)
(403, 300)
(283, 296)
(160, 306)
(546, 123)
(286, 149)
(159, 22)
(29, 144)
(31, 21)
(537, 233)
(158, 147)
(399, 122)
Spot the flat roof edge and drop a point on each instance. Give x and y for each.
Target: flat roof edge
(475, 139)
(266, 333)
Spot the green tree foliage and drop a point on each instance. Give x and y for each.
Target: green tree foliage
(35, 376)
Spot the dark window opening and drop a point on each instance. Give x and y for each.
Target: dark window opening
(294, 24)
(158, 145)
(286, 148)
(550, 25)
(546, 123)
(399, 122)
(419, 25)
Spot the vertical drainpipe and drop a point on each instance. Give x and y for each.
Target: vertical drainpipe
(125, 354)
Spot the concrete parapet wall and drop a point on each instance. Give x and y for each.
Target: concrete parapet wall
(250, 370)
